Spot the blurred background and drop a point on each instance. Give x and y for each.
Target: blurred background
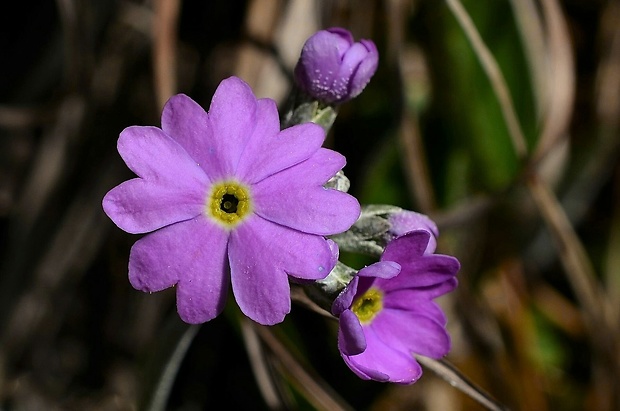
(498, 118)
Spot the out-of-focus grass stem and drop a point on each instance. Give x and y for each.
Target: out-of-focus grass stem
(316, 391)
(164, 48)
(492, 70)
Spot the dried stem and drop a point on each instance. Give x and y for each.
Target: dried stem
(164, 53)
(491, 68)
(316, 391)
(454, 377)
(259, 365)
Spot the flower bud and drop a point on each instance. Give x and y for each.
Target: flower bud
(380, 224)
(332, 68)
(404, 221)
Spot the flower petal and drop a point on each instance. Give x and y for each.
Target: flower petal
(380, 360)
(404, 221)
(296, 198)
(351, 340)
(271, 151)
(362, 371)
(344, 300)
(335, 252)
(261, 255)
(407, 247)
(366, 68)
(424, 271)
(188, 124)
(141, 206)
(437, 290)
(410, 333)
(156, 157)
(410, 300)
(191, 253)
(351, 59)
(381, 269)
(232, 119)
(406, 298)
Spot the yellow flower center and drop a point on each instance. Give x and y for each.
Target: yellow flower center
(368, 305)
(228, 203)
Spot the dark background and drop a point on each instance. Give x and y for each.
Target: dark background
(534, 322)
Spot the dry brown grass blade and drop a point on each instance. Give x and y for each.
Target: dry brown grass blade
(594, 304)
(71, 249)
(299, 296)
(612, 262)
(608, 110)
(452, 376)
(491, 68)
(48, 166)
(253, 64)
(263, 376)
(176, 343)
(573, 256)
(316, 391)
(165, 48)
(608, 73)
(560, 79)
(520, 325)
(415, 163)
(24, 117)
(414, 159)
(530, 26)
(558, 309)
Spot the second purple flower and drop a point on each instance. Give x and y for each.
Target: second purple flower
(387, 313)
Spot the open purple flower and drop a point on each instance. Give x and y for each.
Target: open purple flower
(332, 68)
(228, 192)
(387, 313)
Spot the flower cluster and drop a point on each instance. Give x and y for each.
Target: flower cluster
(231, 198)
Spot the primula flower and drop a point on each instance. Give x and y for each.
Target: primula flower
(332, 68)
(228, 198)
(387, 313)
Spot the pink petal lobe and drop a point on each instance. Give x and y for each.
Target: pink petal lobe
(381, 269)
(420, 272)
(156, 157)
(232, 119)
(296, 198)
(190, 254)
(345, 298)
(141, 206)
(270, 151)
(188, 124)
(351, 340)
(421, 336)
(384, 363)
(407, 247)
(410, 300)
(262, 255)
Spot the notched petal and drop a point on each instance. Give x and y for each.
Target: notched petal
(351, 340)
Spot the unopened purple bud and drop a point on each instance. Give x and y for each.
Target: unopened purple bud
(333, 68)
(405, 221)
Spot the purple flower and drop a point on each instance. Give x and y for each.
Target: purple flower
(387, 313)
(332, 68)
(228, 198)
